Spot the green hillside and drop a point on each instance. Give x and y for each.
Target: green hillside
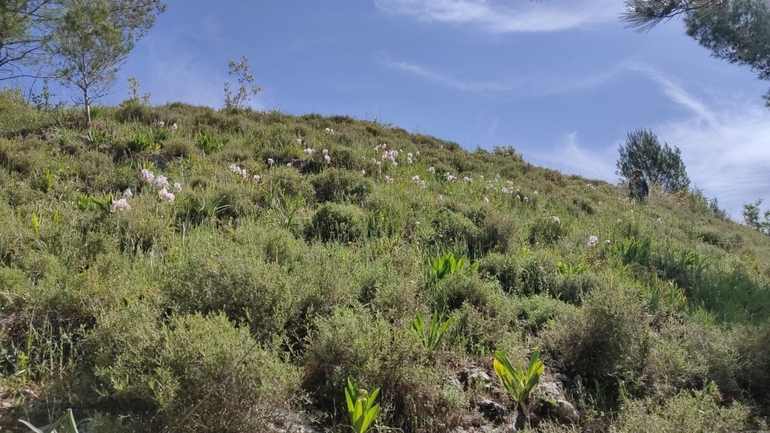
(293, 254)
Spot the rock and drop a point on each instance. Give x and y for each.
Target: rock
(551, 390)
(491, 410)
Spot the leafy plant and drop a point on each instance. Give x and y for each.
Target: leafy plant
(207, 142)
(633, 251)
(437, 330)
(448, 264)
(519, 382)
(361, 406)
(143, 143)
(89, 202)
(66, 422)
(567, 270)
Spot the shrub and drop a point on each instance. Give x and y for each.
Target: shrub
(546, 230)
(160, 373)
(684, 413)
(341, 186)
(337, 222)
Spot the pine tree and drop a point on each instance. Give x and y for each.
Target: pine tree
(660, 165)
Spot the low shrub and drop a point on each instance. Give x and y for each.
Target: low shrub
(341, 186)
(337, 223)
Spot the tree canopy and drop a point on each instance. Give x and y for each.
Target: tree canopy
(661, 165)
(737, 31)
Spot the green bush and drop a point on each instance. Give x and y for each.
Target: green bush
(161, 373)
(338, 223)
(341, 186)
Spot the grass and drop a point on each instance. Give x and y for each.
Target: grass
(247, 303)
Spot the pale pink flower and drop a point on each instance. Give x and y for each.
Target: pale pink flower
(309, 151)
(467, 179)
(432, 170)
(327, 159)
(299, 142)
(146, 176)
(160, 182)
(325, 152)
(388, 179)
(329, 131)
(120, 205)
(166, 196)
(174, 127)
(177, 187)
(593, 241)
(127, 193)
(415, 178)
(591, 187)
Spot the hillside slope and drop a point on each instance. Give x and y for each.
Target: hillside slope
(294, 252)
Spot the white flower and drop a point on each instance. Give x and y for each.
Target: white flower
(256, 178)
(329, 131)
(409, 160)
(384, 145)
(288, 164)
(467, 179)
(161, 123)
(174, 127)
(415, 178)
(395, 164)
(593, 241)
(534, 192)
(299, 142)
(146, 176)
(160, 182)
(327, 159)
(421, 183)
(270, 161)
(127, 193)
(440, 197)
(486, 200)
(555, 220)
(432, 170)
(379, 163)
(388, 179)
(659, 220)
(591, 187)
(363, 172)
(325, 152)
(418, 153)
(509, 182)
(235, 169)
(177, 187)
(608, 242)
(166, 196)
(619, 220)
(309, 151)
(481, 177)
(120, 205)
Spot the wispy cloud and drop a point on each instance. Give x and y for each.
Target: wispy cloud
(507, 17)
(724, 147)
(521, 85)
(570, 157)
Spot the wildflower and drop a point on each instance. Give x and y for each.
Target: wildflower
(327, 159)
(415, 178)
(421, 183)
(256, 178)
(526, 200)
(486, 200)
(309, 151)
(440, 197)
(409, 160)
(177, 187)
(432, 170)
(608, 242)
(161, 123)
(384, 145)
(659, 220)
(270, 161)
(481, 177)
(379, 164)
(374, 161)
(235, 169)
(146, 176)
(174, 127)
(619, 220)
(534, 192)
(418, 153)
(127, 193)
(555, 220)
(505, 190)
(510, 183)
(591, 187)
(408, 155)
(326, 152)
(166, 196)
(160, 182)
(593, 241)
(329, 131)
(394, 164)
(288, 164)
(299, 142)
(467, 179)
(363, 172)
(244, 173)
(388, 179)
(120, 205)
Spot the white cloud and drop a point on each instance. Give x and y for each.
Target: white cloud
(539, 84)
(569, 157)
(724, 147)
(512, 17)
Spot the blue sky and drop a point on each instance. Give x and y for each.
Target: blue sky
(560, 80)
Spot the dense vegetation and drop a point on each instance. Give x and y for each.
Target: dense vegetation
(239, 303)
